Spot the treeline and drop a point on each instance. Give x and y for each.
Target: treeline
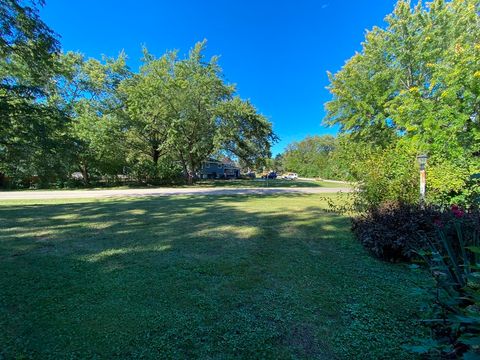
(61, 113)
(315, 157)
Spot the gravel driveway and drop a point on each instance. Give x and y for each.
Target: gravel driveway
(82, 194)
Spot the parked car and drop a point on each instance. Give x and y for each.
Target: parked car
(250, 175)
(270, 175)
(290, 176)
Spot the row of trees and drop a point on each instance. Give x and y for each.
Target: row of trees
(313, 156)
(61, 113)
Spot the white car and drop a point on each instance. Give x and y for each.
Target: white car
(290, 176)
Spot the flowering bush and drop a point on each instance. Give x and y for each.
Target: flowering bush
(457, 212)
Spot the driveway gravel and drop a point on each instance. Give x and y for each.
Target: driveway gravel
(83, 194)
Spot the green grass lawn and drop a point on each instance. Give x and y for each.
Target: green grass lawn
(196, 277)
(257, 183)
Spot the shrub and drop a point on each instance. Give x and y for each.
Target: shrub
(394, 230)
(166, 171)
(380, 173)
(453, 182)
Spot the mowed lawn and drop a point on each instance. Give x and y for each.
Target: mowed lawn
(273, 277)
(261, 183)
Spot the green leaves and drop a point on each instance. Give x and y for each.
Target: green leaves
(28, 51)
(311, 157)
(455, 316)
(60, 113)
(416, 82)
(425, 347)
(183, 108)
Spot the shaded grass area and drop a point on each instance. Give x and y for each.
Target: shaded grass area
(196, 277)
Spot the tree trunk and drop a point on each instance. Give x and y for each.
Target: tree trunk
(155, 155)
(191, 170)
(189, 174)
(84, 170)
(184, 166)
(190, 178)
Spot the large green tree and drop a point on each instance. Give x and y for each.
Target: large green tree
(85, 92)
(61, 113)
(416, 83)
(29, 127)
(183, 109)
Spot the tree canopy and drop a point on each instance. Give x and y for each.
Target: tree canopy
(311, 157)
(183, 109)
(62, 113)
(418, 78)
(28, 50)
(416, 83)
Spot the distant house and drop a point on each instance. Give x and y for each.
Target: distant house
(214, 169)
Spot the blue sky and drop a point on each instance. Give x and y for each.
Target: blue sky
(277, 52)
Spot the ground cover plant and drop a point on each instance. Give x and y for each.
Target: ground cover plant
(453, 311)
(197, 277)
(445, 241)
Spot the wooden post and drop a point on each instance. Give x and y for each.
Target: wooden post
(422, 161)
(422, 184)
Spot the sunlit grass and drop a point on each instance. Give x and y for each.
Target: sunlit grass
(233, 183)
(261, 183)
(196, 277)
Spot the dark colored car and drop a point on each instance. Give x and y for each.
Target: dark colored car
(250, 175)
(271, 175)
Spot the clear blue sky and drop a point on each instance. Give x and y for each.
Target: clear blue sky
(277, 52)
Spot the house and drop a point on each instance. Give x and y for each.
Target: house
(214, 169)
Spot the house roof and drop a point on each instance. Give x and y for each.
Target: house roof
(226, 162)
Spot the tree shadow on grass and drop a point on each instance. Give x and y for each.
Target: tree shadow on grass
(221, 276)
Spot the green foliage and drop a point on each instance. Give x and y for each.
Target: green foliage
(391, 231)
(27, 50)
(311, 157)
(276, 164)
(183, 109)
(61, 113)
(453, 183)
(31, 131)
(454, 311)
(382, 174)
(86, 93)
(99, 119)
(165, 171)
(417, 83)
